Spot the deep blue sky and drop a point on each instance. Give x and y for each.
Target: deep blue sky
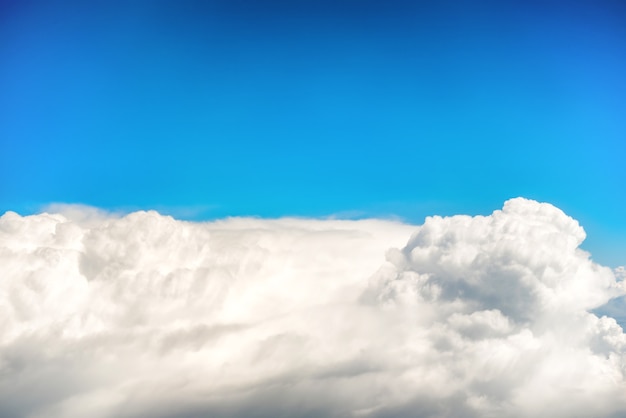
(206, 109)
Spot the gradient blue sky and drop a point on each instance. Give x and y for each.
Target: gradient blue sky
(206, 109)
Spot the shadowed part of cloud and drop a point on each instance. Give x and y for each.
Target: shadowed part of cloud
(144, 315)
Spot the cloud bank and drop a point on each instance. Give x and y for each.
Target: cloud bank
(143, 315)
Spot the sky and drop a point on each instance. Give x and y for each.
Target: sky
(206, 109)
(281, 208)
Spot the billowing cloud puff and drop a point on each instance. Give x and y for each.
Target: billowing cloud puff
(143, 315)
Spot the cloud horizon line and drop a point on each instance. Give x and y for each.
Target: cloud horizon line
(496, 315)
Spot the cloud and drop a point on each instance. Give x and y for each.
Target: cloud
(144, 315)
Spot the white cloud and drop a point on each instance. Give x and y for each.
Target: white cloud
(143, 315)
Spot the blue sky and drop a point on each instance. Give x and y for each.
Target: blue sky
(205, 109)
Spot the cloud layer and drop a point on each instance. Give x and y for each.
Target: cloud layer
(144, 315)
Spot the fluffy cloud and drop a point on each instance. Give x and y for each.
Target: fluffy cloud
(144, 315)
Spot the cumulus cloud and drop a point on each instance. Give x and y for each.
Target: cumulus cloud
(143, 315)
